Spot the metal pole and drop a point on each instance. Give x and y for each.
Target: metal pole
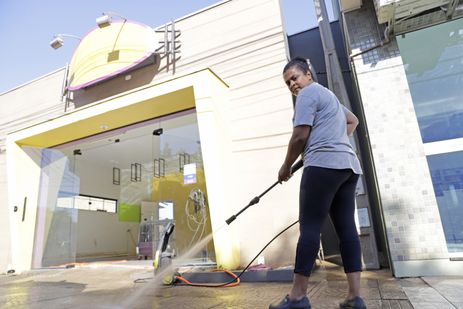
(333, 68)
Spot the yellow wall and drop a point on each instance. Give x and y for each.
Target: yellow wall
(150, 108)
(171, 187)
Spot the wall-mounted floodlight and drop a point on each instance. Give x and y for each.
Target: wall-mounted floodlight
(105, 20)
(58, 41)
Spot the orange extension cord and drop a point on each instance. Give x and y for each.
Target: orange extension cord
(227, 285)
(236, 279)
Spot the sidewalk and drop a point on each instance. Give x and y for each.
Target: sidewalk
(111, 285)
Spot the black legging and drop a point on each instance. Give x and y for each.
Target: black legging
(324, 191)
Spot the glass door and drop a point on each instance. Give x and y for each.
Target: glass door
(55, 237)
(116, 193)
(179, 188)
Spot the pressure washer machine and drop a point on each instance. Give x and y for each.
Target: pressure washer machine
(161, 256)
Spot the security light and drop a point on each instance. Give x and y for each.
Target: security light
(105, 20)
(58, 41)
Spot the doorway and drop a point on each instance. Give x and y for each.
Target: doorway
(111, 195)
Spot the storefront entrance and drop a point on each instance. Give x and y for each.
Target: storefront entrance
(110, 196)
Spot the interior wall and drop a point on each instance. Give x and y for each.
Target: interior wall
(96, 179)
(134, 193)
(172, 187)
(101, 233)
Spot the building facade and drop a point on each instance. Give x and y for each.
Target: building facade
(91, 161)
(405, 57)
(222, 107)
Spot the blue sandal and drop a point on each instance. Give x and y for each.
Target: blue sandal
(354, 303)
(286, 303)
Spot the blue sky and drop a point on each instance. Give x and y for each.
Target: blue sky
(28, 26)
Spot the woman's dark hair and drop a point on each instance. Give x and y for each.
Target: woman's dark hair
(299, 63)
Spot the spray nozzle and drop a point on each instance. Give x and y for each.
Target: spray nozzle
(230, 220)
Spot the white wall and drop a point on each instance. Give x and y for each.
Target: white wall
(96, 179)
(31, 103)
(244, 44)
(5, 244)
(19, 108)
(100, 233)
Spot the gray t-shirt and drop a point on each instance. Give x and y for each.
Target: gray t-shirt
(328, 144)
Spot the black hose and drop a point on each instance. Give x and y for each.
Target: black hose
(246, 268)
(254, 201)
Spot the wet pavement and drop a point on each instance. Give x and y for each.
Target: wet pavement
(130, 285)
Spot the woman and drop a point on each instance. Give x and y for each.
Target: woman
(321, 127)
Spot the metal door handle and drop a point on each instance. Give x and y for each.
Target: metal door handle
(24, 208)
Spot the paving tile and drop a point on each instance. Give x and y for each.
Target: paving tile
(117, 288)
(391, 289)
(450, 288)
(426, 297)
(412, 282)
(403, 304)
(388, 304)
(432, 305)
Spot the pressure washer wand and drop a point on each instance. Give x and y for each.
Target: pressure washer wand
(256, 199)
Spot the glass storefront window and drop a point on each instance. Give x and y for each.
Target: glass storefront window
(432, 59)
(87, 211)
(447, 178)
(433, 64)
